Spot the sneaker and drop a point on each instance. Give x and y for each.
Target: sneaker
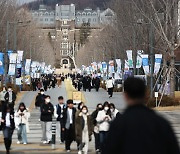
(68, 151)
(44, 142)
(18, 142)
(79, 152)
(25, 143)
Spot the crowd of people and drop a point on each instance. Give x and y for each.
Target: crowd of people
(138, 130)
(46, 81)
(75, 124)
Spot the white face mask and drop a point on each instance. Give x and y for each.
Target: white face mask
(84, 111)
(112, 110)
(48, 100)
(42, 93)
(9, 89)
(106, 108)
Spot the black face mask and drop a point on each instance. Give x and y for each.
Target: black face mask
(21, 110)
(100, 109)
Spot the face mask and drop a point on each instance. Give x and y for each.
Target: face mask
(84, 111)
(42, 93)
(106, 108)
(112, 110)
(48, 100)
(9, 89)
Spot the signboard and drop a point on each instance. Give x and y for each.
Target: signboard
(77, 97)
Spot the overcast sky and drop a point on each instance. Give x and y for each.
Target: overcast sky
(24, 1)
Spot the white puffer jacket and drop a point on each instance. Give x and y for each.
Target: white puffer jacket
(103, 120)
(21, 119)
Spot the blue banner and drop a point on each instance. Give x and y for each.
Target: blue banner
(9, 52)
(1, 63)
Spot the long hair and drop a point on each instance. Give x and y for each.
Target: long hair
(22, 104)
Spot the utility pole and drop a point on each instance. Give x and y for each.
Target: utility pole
(151, 44)
(15, 44)
(6, 55)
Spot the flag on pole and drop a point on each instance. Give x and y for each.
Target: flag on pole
(158, 60)
(139, 59)
(130, 58)
(145, 63)
(1, 63)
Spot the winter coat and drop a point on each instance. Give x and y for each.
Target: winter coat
(40, 99)
(45, 115)
(58, 112)
(104, 124)
(65, 117)
(13, 97)
(140, 131)
(109, 84)
(79, 125)
(12, 123)
(21, 119)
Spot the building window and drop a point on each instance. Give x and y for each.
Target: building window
(41, 19)
(94, 13)
(65, 52)
(89, 13)
(84, 14)
(94, 20)
(65, 22)
(46, 19)
(84, 20)
(52, 19)
(89, 20)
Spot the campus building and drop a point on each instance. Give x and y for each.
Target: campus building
(64, 23)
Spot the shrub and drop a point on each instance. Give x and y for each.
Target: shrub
(166, 101)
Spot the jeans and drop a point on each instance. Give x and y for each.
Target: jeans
(103, 135)
(46, 130)
(8, 132)
(97, 140)
(22, 134)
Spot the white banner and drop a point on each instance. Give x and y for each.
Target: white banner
(111, 67)
(139, 59)
(11, 69)
(27, 66)
(157, 66)
(118, 62)
(145, 63)
(126, 65)
(19, 56)
(12, 58)
(130, 58)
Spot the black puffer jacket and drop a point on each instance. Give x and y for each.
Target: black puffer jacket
(47, 112)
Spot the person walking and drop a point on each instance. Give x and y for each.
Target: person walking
(84, 130)
(21, 120)
(69, 124)
(40, 98)
(104, 119)
(97, 83)
(8, 126)
(110, 86)
(89, 83)
(59, 114)
(47, 111)
(10, 98)
(139, 130)
(114, 111)
(2, 98)
(99, 107)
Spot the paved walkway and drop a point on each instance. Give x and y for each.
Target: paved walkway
(92, 99)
